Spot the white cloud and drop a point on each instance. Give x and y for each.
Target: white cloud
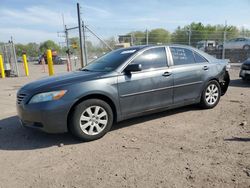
(35, 15)
(98, 11)
(22, 35)
(33, 23)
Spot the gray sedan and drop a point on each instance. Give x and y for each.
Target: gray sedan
(122, 84)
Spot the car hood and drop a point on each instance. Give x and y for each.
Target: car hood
(62, 79)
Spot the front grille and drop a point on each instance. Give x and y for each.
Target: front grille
(20, 97)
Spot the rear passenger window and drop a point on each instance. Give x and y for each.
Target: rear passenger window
(152, 58)
(199, 58)
(182, 56)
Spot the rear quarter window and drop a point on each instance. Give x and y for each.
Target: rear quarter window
(199, 58)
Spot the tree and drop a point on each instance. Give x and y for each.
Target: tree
(200, 32)
(180, 36)
(32, 49)
(49, 44)
(20, 49)
(244, 32)
(159, 35)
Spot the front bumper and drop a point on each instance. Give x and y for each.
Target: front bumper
(50, 117)
(245, 74)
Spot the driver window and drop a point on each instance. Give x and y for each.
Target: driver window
(152, 58)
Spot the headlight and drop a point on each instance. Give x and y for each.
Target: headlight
(48, 96)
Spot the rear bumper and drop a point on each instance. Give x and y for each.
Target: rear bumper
(50, 117)
(224, 82)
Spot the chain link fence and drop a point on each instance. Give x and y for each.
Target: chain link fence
(9, 59)
(222, 44)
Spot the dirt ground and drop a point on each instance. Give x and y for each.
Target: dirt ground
(186, 147)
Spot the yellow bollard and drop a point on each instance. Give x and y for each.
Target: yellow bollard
(25, 63)
(1, 67)
(50, 63)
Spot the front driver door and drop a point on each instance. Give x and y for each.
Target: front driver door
(148, 89)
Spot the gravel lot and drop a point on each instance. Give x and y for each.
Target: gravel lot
(186, 147)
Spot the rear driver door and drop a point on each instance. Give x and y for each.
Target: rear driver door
(188, 72)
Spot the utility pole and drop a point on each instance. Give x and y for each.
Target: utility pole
(69, 67)
(147, 36)
(80, 34)
(224, 40)
(84, 43)
(131, 39)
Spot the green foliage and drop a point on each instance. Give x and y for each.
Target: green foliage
(20, 49)
(49, 44)
(157, 36)
(32, 49)
(200, 32)
(139, 37)
(180, 36)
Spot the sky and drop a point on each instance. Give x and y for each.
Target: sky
(40, 20)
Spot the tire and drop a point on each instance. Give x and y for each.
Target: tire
(246, 47)
(211, 95)
(91, 120)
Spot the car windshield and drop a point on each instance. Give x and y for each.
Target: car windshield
(110, 61)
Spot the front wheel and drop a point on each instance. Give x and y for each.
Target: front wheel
(211, 95)
(91, 119)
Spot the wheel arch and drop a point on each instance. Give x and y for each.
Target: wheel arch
(205, 84)
(93, 96)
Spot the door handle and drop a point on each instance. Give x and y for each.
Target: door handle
(205, 68)
(166, 74)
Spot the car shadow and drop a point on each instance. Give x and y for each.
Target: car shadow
(239, 83)
(237, 139)
(13, 136)
(144, 118)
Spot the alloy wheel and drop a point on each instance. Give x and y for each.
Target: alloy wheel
(212, 94)
(93, 120)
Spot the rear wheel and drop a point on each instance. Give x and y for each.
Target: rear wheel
(91, 119)
(211, 94)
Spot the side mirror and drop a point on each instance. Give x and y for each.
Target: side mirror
(133, 68)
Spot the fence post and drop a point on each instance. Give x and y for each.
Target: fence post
(50, 63)
(189, 36)
(2, 67)
(224, 40)
(26, 68)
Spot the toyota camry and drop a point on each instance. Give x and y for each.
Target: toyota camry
(122, 84)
